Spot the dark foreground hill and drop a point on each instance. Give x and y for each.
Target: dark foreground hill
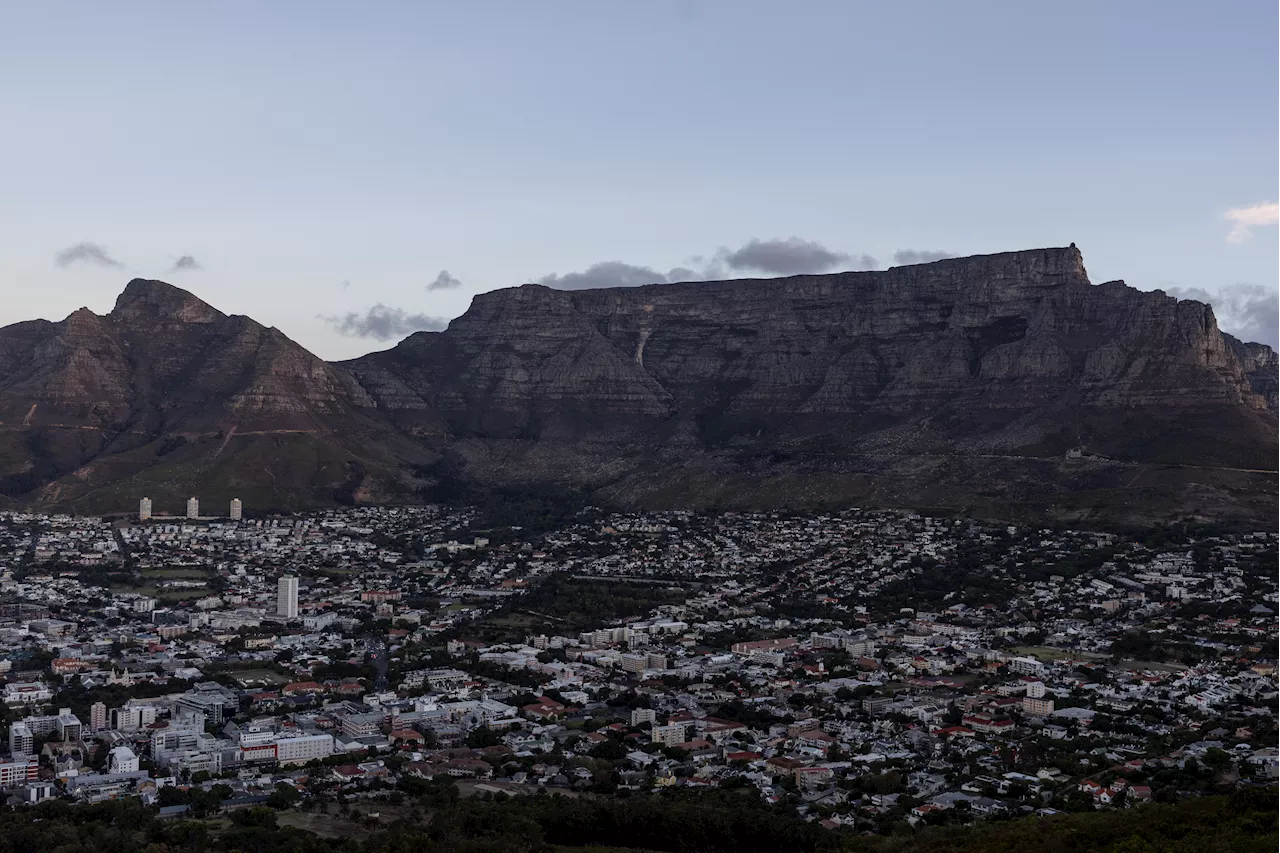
(677, 821)
(1004, 384)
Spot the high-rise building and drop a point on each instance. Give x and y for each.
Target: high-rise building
(193, 507)
(144, 509)
(21, 739)
(97, 716)
(237, 509)
(287, 597)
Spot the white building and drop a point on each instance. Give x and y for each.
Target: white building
(305, 748)
(21, 739)
(144, 509)
(27, 693)
(287, 597)
(671, 735)
(122, 760)
(131, 718)
(193, 507)
(237, 509)
(640, 716)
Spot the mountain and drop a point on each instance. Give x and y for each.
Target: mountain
(166, 396)
(1006, 384)
(960, 382)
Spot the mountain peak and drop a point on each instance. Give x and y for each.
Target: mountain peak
(148, 298)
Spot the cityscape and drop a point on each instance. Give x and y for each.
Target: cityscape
(864, 668)
(692, 426)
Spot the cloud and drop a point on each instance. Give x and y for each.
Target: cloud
(1245, 219)
(1246, 311)
(605, 274)
(89, 253)
(384, 323)
(792, 256)
(444, 281)
(186, 262)
(904, 257)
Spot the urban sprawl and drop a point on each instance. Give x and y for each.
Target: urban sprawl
(867, 668)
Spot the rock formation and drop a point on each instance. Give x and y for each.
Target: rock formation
(963, 382)
(171, 397)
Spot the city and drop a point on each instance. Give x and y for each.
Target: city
(863, 669)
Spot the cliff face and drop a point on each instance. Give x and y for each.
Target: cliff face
(975, 338)
(963, 382)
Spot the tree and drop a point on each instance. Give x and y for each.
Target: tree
(283, 797)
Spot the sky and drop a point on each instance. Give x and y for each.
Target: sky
(349, 172)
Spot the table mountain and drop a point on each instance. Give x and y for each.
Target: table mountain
(1004, 383)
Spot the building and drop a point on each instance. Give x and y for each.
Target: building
(131, 717)
(287, 597)
(237, 509)
(26, 692)
(361, 725)
(177, 741)
(19, 770)
(1025, 666)
(193, 508)
(144, 509)
(670, 735)
(22, 741)
(69, 726)
(633, 663)
(97, 717)
(640, 716)
(300, 750)
(122, 760)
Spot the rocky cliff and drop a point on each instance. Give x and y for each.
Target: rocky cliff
(927, 383)
(965, 382)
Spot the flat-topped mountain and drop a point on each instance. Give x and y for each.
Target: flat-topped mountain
(965, 382)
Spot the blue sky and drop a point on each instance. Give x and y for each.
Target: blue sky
(319, 159)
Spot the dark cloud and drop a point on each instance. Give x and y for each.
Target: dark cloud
(904, 257)
(605, 274)
(1246, 311)
(793, 256)
(444, 281)
(89, 253)
(384, 323)
(186, 262)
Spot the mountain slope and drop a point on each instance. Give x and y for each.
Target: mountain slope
(167, 396)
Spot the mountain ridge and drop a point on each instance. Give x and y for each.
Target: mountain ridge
(886, 387)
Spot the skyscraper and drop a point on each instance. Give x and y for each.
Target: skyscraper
(287, 597)
(193, 508)
(144, 509)
(237, 509)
